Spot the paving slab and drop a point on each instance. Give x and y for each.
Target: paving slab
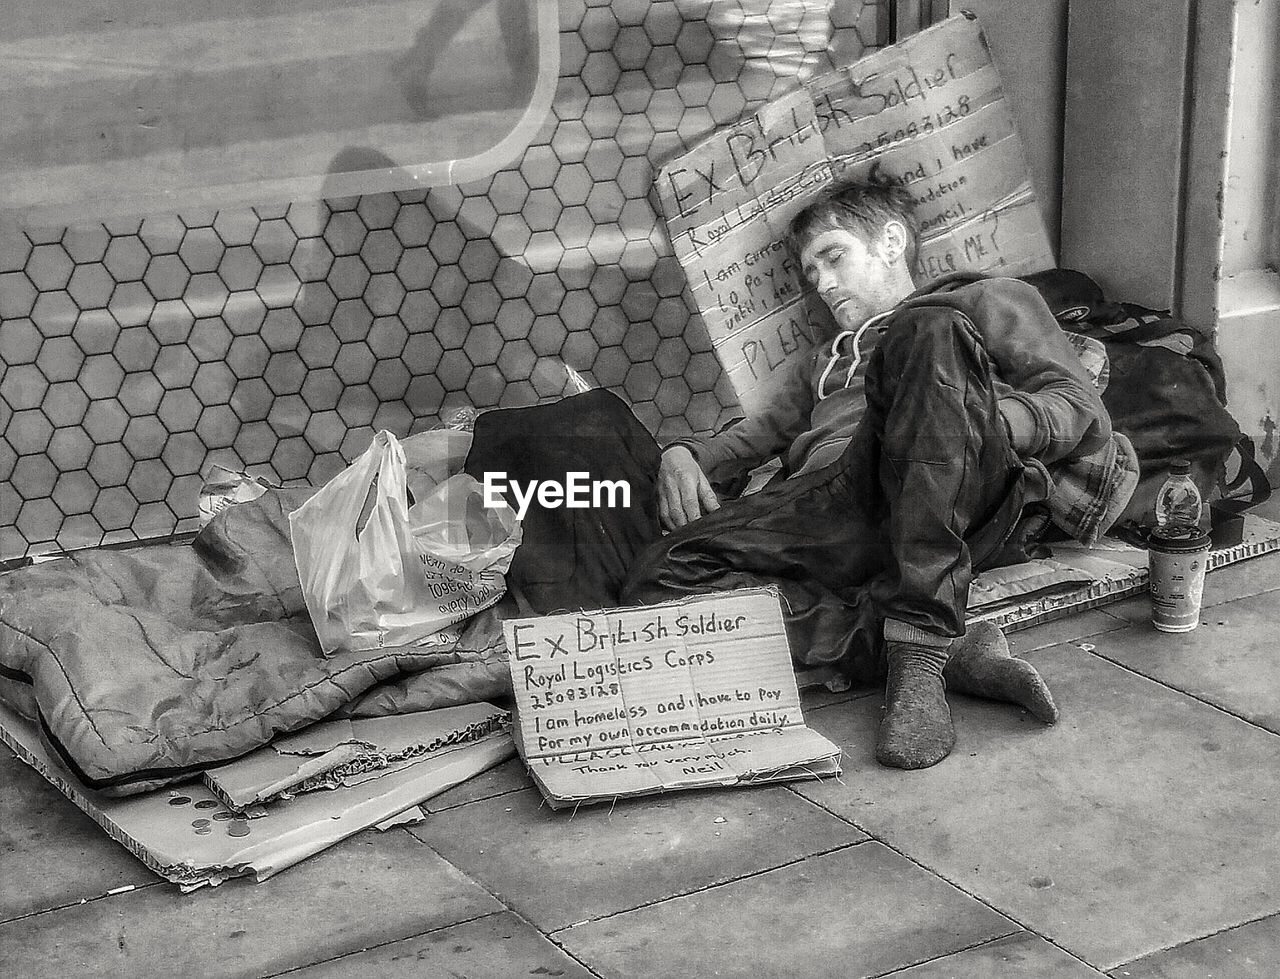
(1242, 579)
(510, 776)
(1254, 576)
(1245, 952)
(498, 945)
(1020, 955)
(560, 867)
(51, 853)
(371, 889)
(859, 911)
(1229, 660)
(813, 697)
(1142, 820)
(1074, 628)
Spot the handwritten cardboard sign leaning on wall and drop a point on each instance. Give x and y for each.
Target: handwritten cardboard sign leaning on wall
(930, 112)
(687, 694)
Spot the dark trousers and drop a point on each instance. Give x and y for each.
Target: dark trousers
(928, 491)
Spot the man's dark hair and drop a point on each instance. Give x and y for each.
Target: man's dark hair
(861, 207)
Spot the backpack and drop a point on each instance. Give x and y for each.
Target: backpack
(1166, 390)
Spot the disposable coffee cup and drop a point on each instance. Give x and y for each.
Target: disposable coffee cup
(1177, 563)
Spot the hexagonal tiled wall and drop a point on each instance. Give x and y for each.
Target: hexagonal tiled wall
(135, 353)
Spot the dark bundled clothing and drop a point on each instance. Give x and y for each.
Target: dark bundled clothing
(572, 558)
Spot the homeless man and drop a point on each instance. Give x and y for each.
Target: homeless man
(943, 431)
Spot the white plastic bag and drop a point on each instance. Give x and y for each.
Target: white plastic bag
(432, 457)
(376, 572)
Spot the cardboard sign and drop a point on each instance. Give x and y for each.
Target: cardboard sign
(930, 112)
(648, 699)
(728, 202)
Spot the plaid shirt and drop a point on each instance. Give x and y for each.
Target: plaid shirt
(1088, 494)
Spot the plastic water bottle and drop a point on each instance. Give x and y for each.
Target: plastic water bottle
(1178, 504)
(1178, 553)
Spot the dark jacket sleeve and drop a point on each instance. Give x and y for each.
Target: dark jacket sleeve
(1049, 395)
(761, 435)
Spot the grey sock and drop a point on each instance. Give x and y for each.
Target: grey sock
(915, 731)
(982, 666)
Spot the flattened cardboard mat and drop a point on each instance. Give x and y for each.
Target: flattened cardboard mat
(930, 112)
(1101, 575)
(1077, 579)
(345, 753)
(189, 837)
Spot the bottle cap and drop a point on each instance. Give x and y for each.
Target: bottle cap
(1180, 467)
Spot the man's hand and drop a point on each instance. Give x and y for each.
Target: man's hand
(684, 492)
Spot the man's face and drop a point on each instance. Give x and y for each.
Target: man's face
(853, 279)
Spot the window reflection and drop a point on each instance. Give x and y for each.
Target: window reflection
(146, 104)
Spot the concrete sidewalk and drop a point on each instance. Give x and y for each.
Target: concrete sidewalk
(1137, 838)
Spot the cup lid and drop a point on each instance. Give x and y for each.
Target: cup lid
(1178, 539)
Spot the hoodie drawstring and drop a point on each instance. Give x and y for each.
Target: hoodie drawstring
(857, 352)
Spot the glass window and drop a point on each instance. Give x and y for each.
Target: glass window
(141, 105)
